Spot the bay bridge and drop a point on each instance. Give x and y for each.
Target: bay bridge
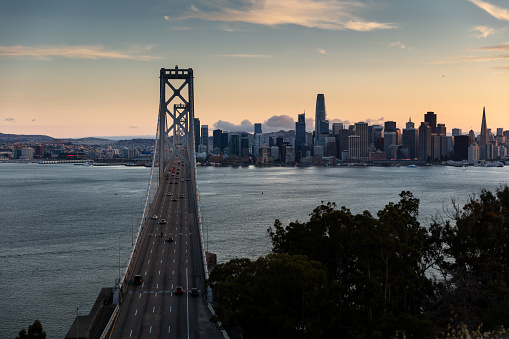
(161, 293)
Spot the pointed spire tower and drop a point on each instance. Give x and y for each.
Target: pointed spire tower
(483, 136)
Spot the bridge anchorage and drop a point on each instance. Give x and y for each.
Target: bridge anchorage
(168, 257)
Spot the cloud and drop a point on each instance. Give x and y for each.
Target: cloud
(483, 31)
(322, 51)
(245, 126)
(279, 122)
(323, 14)
(252, 56)
(398, 44)
(33, 120)
(10, 119)
(497, 12)
(75, 52)
(503, 47)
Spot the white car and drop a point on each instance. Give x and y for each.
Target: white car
(154, 217)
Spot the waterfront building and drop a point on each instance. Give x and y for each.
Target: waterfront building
(234, 144)
(483, 137)
(197, 138)
(461, 143)
(410, 140)
(217, 146)
(473, 152)
(300, 136)
(274, 152)
(320, 115)
(205, 137)
(257, 140)
(424, 141)
(27, 153)
(361, 129)
(431, 119)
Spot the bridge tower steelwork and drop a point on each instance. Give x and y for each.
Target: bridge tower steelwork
(176, 134)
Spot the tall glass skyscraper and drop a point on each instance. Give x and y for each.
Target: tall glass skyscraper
(320, 116)
(197, 138)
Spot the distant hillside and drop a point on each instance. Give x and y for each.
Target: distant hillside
(22, 138)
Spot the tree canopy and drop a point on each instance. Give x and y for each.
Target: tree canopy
(359, 275)
(34, 332)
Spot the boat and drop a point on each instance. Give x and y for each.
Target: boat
(412, 165)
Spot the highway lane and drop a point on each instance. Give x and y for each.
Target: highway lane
(152, 309)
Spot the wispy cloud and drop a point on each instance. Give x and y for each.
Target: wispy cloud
(496, 11)
(253, 56)
(399, 44)
(482, 31)
(472, 58)
(322, 51)
(503, 47)
(10, 119)
(75, 52)
(323, 14)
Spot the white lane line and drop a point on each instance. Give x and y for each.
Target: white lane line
(145, 272)
(150, 251)
(169, 329)
(161, 261)
(156, 295)
(153, 309)
(187, 301)
(148, 261)
(130, 334)
(170, 308)
(150, 329)
(159, 272)
(186, 261)
(173, 260)
(139, 296)
(142, 284)
(157, 285)
(135, 313)
(172, 272)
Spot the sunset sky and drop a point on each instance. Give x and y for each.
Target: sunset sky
(75, 68)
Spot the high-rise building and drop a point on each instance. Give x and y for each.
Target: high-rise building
(320, 115)
(456, 131)
(244, 144)
(336, 127)
(473, 152)
(500, 131)
(235, 144)
(410, 140)
(378, 137)
(431, 119)
(197, 138)
(460, 147)
(354, 147)
(483, 137)
(441, 130)
(361, 129)
(300, 136)
(217, 141)
(410, 124)
(424, 141)
(390, 126)
(224, 140)
(205, 137)
(257, 142)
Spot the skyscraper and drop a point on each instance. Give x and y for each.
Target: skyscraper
(424, 141)
(205, 137)
(410, 140)
(361, 129)
(216, 141)
(483, 137)
(320, 115)
(431, 119)
(300, 135)
(257, 142)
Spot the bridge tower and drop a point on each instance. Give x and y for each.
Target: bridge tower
(176, 133)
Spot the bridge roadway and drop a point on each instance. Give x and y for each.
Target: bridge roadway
(151, 309)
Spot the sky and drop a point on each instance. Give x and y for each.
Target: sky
(76, 68)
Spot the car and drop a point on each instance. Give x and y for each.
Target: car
(174, 199)
(162, 221)
(137, 279)
(176, 182)
(154, 217)
(170, 239)
(182, 179)
(169, 194)
(161, 235)
(194, 292)
(179, 290)
(187, 179)
(181, 196)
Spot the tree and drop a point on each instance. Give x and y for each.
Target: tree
(34, 332)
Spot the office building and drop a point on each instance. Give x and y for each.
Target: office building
(320, 115)
(431, 119)
(483, 137)
(456, 131)
(361, 129)
(424, 141)
(410, 140)
(461, 147)
(234, 144)
(217, 145)
(257, 140)
(205, 137)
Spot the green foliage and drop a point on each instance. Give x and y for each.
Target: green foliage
(34, 332)
(359, 276)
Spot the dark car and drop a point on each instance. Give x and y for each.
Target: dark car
(170, 239)
(137, 279)
(174, 199)
(162, 221)
(181, 196)
(179, 290)
(194, 292)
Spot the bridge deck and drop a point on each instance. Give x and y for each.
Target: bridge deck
(151, 309)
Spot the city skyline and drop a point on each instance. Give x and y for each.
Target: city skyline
(91, 69)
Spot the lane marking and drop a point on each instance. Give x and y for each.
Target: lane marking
(150, 329)
(130, 334)
(139, 296)
(135, 313)
(159, 272)
(156, 295)
(153, 309)
(148, 261)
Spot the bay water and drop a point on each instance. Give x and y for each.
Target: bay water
(66, 230)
